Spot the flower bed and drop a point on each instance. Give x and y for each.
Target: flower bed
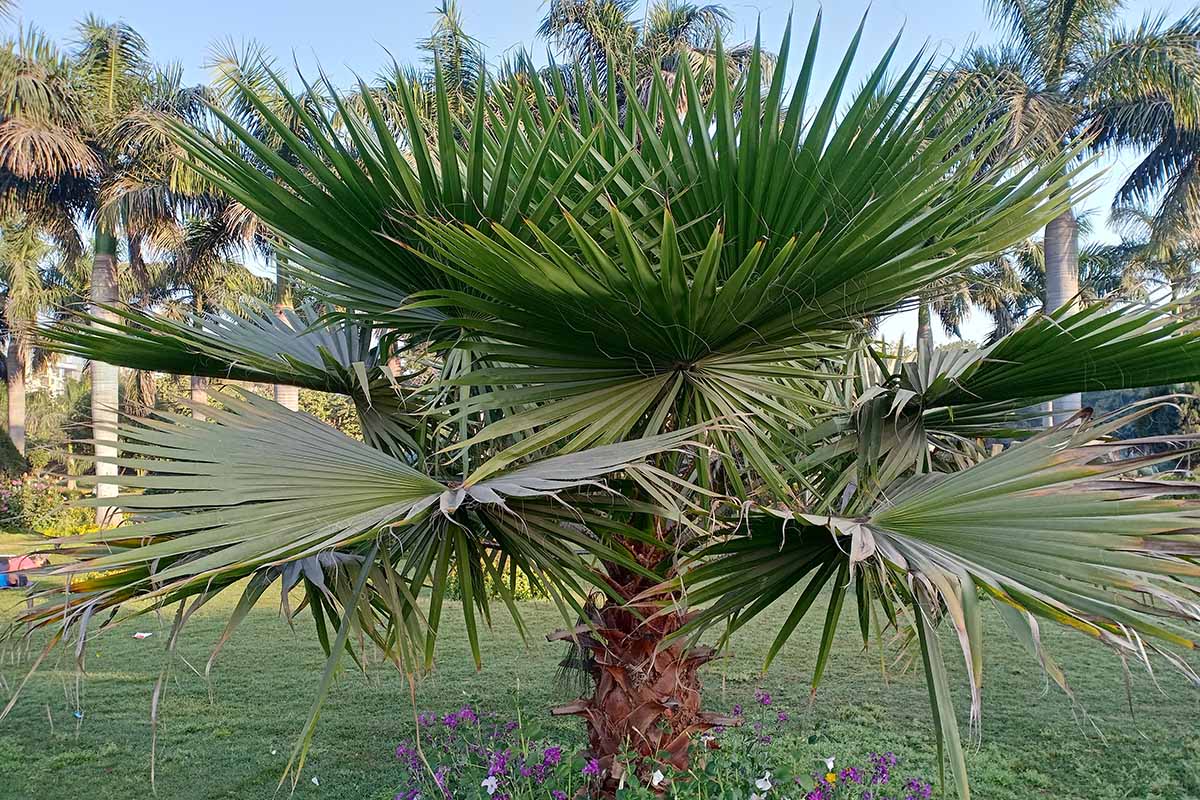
(470, 753)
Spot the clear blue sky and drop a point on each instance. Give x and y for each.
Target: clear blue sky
(349, 37)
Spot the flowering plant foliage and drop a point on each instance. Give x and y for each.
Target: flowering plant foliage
(468, 753)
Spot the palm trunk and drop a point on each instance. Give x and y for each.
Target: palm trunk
(286, 396)
(148, 390)
(924, 327)
(199, 395)
(71, 482)
(646, 694)
(1062, 286)
(198, 384)
(105, 391)
(14, 363)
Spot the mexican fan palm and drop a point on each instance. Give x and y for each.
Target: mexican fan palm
(641, 377)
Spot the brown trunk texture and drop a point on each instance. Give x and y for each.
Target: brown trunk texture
(646, 698)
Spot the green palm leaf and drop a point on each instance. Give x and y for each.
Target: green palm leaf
(1047, 530)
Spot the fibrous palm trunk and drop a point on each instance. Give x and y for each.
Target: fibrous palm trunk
(646, 692)
(105, 391)
(1062, 286)
(14, 363)
(147, 391)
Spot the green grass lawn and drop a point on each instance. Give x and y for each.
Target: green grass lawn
(231, 737)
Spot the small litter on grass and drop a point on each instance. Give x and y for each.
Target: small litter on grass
(78, 714)
(315, 781)
(142, 635)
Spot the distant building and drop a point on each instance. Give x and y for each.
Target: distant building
(53, 378)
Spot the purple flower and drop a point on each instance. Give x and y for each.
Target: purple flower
(450, 720)
(762, 697)
(917, 789)
(737, 710)
(883, 764)
(465, 714)
(782, 716)
(552, 756)
(592, 767)
(499, 763)
(426, 718)
(558, 794)
(850, 774)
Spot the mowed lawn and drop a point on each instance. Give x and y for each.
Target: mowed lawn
(231, 736)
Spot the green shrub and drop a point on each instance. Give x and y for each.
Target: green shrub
(12, 463)
(34, 503)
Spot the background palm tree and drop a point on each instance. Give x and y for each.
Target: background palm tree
(1067, 68)
(604, 35)
(22, 259)
(80, 138)
(1008, 288)
(245, 71)
(205, 271)
(1158, 255)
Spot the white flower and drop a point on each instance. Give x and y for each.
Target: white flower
(657, 778)
(829, 764)
(490, 783)
(756, 796)
(764, 782)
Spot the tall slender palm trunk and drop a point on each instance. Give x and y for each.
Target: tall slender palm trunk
(646, 693)
(1062, 286)
(198, 391)
(286, 396)
(105, 391)
(198, 385)
(14, 363)
(925, 326)
(147, 391)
